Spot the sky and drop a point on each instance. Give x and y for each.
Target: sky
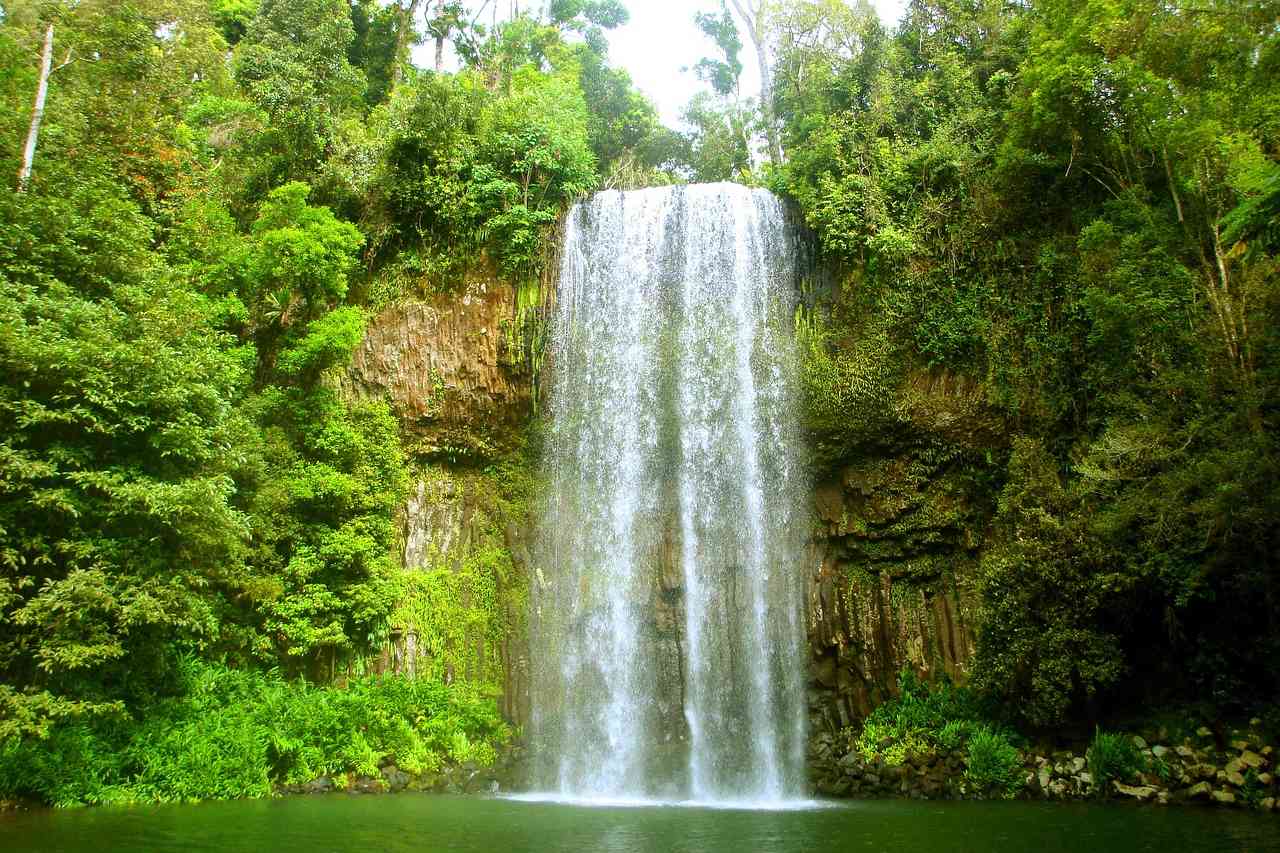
(661, 38)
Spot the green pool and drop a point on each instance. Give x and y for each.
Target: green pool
(422, 823)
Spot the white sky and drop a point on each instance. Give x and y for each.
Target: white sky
(661, 38)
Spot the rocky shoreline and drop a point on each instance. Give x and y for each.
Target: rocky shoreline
(1240, 774)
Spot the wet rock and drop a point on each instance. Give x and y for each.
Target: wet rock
(368, 785)
(395, 778)
(1225, 798)
(1141, 793)
(1251, 759)
(1077, 764)
(1159, 751)
(1268, 805)
(321, 785)
(1199, 791)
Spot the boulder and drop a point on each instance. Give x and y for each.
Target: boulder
(1159, 751)
(1251, 759)
(396, 779)
(1268, 805)
(1186, 752)
(1225, 798)
(1141, 793)
(1139, 742)
(1202, 771)
(1199, 791)
(1265, 779)
(1043, 778)
(318, 786)
(1236, 779)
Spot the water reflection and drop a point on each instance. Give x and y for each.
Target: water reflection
(424, 824)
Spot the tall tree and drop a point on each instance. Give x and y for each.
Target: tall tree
(752, 14)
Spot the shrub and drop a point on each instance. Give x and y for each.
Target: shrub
(235, 734)
(992, 765)
(955, 733)
(1111, 757)
(918, 719)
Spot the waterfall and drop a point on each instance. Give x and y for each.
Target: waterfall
(666, 606)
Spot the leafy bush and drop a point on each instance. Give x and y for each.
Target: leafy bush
(1111, 757)
(992, 764)
(237, 733)
(918, 719)
(955, 733)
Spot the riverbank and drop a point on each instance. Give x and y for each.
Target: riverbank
(1194, 770)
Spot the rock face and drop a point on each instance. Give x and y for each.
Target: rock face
(464, 545)
(893, 560)
(451, 367)
(454, 368)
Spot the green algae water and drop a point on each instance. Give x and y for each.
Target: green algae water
(420, 823)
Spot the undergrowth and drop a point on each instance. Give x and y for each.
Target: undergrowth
(237, 734)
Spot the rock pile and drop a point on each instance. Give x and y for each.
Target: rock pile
(1244, 774)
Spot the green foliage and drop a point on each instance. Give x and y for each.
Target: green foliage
(992, 764)
(1112, 758)
(293, 64)
(119, 534)
(1072, 215)
(917, 719)
(470, 169)
(232, 734)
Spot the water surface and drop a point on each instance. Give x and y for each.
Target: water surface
(422, 823)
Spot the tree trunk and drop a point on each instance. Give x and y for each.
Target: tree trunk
(37, 113)
(754, 22)
(440, 36)
(408, 14)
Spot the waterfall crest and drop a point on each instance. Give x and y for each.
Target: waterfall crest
(666, 609)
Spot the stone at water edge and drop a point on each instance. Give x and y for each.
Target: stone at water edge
(1078, 764)
(1141, 793)
(1200, 790)
(1225, 797)
(1043, 777)
(1251, 759)
(1236, 779)
(1268, 805)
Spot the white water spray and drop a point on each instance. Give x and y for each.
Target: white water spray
(671, 532)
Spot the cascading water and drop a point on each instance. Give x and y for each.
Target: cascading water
(667, 597)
